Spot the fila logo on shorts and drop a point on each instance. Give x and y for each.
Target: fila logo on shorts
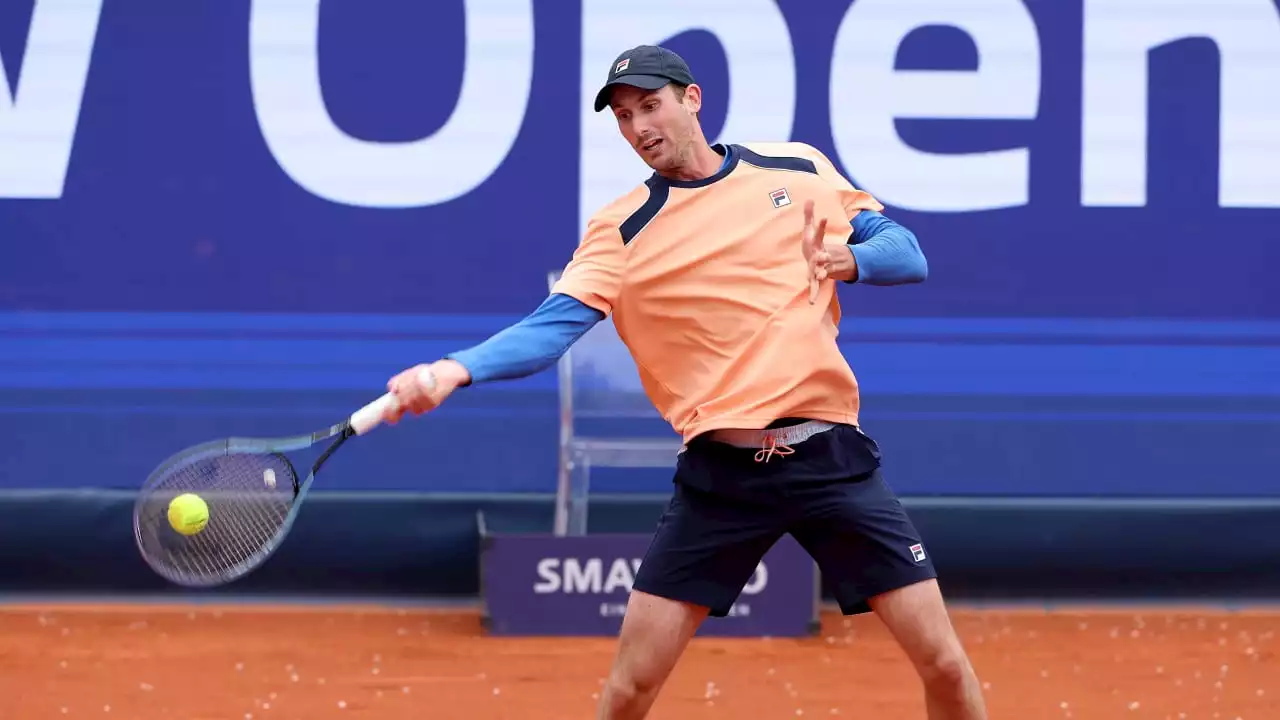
(622, 65)
(780, 197)
(917, 552)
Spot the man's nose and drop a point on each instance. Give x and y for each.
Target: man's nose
(643, 129)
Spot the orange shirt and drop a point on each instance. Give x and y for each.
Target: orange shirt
(709, 290)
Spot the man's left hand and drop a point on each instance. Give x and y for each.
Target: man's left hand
(815, 250)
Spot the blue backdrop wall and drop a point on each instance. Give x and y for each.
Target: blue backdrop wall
(222, 219)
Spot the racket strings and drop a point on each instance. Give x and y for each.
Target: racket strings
(248, 496)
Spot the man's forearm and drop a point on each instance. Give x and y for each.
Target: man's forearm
(530, 345)
(883, 252)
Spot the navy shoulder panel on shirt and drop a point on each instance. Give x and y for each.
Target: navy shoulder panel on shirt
(768, 162)
(658, 192)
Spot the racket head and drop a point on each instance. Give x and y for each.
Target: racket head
(251, 491)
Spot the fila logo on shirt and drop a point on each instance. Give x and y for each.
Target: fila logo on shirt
(917, 552)
(623, 64)
(780, 198)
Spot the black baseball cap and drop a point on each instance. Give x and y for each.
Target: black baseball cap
(647, 67)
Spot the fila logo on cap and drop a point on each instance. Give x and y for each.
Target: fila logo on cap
(623, 64)
(780, 198)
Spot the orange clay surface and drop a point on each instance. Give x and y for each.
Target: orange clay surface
(259, 663)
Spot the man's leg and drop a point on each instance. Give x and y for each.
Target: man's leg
(917, 617)
(654, 634)
(871, 554)
(705, 550)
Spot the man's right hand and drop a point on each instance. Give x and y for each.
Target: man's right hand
(422, 388)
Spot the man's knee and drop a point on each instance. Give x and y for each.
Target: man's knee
(627, 683)
(947, 671)
(641, 669)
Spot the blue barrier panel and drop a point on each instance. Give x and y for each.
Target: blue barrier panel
(409, 547)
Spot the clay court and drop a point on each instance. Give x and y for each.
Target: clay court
(258, 662)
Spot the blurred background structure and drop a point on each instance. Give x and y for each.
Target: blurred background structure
(242, 218)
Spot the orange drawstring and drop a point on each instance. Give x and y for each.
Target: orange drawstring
(774, 448)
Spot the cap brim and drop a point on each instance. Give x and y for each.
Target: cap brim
(644, 82)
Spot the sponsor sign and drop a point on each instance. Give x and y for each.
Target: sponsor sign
(541, 584)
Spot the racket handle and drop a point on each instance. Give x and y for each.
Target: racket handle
(371, 415)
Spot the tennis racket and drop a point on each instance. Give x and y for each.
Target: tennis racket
(252, 493)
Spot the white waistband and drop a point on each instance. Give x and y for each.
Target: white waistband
(792, 435)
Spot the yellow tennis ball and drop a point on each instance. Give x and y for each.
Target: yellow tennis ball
(188, 513)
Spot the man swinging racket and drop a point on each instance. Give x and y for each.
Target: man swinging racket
(716, 270)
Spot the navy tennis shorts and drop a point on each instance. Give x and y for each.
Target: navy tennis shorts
(728, 509)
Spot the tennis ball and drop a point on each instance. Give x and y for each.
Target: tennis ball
(188, 514)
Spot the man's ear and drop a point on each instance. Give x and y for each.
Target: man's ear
(693, 98)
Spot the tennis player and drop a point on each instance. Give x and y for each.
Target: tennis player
(718, 271)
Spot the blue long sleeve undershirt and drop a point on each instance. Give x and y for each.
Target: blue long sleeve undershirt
(531, 345)
(886, 253)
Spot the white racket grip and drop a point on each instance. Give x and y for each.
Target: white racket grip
(370, 416)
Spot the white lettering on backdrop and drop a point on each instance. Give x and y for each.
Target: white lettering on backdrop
(319, 156)
(39, 114)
